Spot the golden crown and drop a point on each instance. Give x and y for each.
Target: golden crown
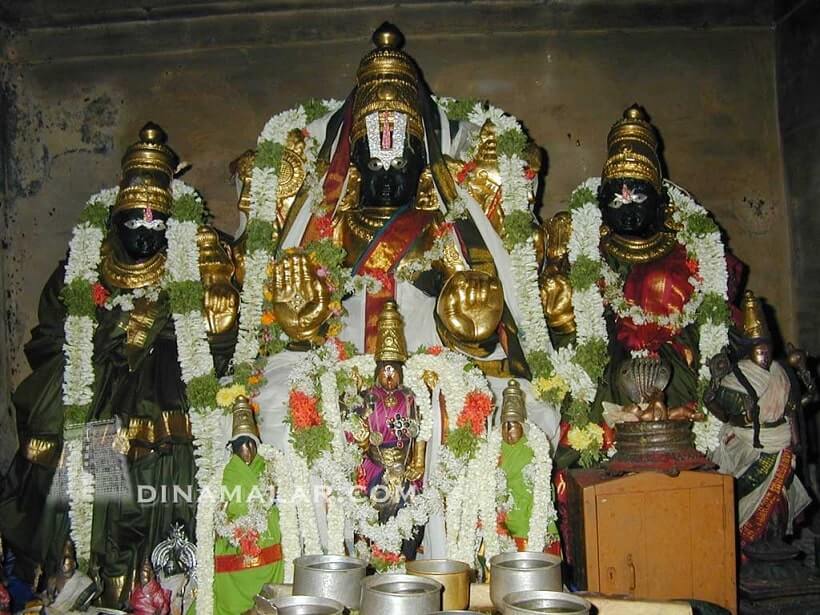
(513, 408)
(390, 342)
(632, 149)
(387, 80)
(147, 170)
(244, 422)
(754, 322)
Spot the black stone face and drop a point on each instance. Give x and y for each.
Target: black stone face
(631, 207)
(139, 243)
(392, 187)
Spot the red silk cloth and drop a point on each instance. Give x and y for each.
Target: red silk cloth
(661, 288)
(234, 563)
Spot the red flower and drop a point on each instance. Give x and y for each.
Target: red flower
(435, 350)
(99, 294)
(324, 226)
(340, 348)
(389, 557)
(303, 410)
(477, 407)
(248, 541)
(384, 278)
(530, 173)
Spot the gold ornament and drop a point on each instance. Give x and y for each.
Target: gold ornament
(390, 342)
(221, 300)
(147, 170)
(244, 422)
(118, 274)
(387, 80)
(513, 407)
(754, 322)
(301, 300)
(632, 150)
(241, 170)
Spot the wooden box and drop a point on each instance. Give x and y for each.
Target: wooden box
(653, 536)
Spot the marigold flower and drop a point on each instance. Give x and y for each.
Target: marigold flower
(304, 411)
(477, 407)
(268, 318)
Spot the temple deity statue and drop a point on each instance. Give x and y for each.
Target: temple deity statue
(105, 356)
(149, 597)
(248, 550)
(637, 293)
(387, 428)
(400, 203)
(759, 400)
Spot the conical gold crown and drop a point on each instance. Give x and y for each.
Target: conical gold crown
(513, 407)
(147, 170)
(244, 422)
(390, 342)
(387, 80)
(632, 149)
(754, 322)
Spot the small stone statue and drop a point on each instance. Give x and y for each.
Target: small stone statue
(69, 589)
(387, 427)
(149, 598)
(247, 550)
(757, 398)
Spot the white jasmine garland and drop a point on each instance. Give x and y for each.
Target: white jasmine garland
(78, 348)
(516, 188)
(80, 490)
(285, 501)
(533, 329)
(483, 467)
(539, 474)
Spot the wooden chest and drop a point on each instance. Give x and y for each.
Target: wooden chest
(653, 536)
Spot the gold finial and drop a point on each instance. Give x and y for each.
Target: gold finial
(632, 149)
(754, 322)
(387, 80)
(147, 170)
(244, 422)
(390, 342)
(513, 408)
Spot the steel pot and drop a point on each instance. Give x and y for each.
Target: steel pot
(307, 605)
(337, 577)
(523, 570)
(540, 602)
(400, 594)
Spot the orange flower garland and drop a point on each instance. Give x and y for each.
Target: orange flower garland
(304, 410)
(477, 407)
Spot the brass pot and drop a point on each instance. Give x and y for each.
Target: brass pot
(523, 570)
(330, 576)
(540, 602)
(400, 594)
(452, 574)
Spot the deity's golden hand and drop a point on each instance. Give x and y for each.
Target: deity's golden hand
(556, 299)
(301, 299)
(470, 305)
(415, 469)
(221, 303)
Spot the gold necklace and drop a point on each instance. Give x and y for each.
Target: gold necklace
(117, 274)
(637, 250)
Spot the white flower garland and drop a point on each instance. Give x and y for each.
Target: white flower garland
(84, 258)
(539, 474)
(264, 202)
(80, 487)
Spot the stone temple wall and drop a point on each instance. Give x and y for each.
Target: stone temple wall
(76, 90)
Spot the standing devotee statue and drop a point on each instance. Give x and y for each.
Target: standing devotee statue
(387, 429)
(248, 550)
(636, 292)
(758, 399)
(105, 351)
